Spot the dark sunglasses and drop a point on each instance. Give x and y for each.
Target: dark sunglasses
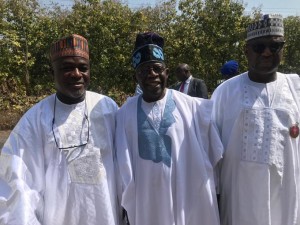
(158, 69)
(274, 47)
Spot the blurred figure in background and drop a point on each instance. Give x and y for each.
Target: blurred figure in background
(230, 69)
(188, 84)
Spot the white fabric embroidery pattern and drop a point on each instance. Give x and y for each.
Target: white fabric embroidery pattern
(87, 169)
(156, 116)
(264, 135)
(265, 128)
(72, 131)
(75, 127)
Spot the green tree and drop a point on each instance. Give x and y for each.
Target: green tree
(291, 62)
(107, 27)
(20, 20)
(204, 34)
(207, 34)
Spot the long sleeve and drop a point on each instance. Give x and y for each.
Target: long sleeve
(20, 178)
(124, 163)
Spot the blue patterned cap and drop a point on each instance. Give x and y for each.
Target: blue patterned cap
(148, 48)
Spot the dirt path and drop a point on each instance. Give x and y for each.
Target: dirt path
(3, 136)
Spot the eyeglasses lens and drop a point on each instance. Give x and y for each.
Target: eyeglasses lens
(156, 69)
(274, 47)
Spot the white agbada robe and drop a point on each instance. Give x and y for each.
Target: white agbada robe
(168, 181)
(259, 173)
(40, 184)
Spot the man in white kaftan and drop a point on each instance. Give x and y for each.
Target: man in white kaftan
(57, 165)
(43, 185)
(167, 148)
(259, 175)
(257, 114)
(167, 173)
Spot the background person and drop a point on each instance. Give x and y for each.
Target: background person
(230, 69)
(167, 147)
(188, 84)
(57, 165)
(257, 114)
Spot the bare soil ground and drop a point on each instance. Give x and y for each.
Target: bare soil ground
(3, 136)
(7, 122)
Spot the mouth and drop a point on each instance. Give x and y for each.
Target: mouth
(153, 83)
(266, 64)
(153, 86)
(77, 85)
(266, 61)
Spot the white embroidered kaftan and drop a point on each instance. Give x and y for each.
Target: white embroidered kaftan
(167, 174)
(259, 172)
(40, 184)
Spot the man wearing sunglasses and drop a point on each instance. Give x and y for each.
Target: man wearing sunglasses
(57, 165)
(167, 147)
(257, 114)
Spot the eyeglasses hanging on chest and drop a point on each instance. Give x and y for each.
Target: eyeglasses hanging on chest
(77, 139)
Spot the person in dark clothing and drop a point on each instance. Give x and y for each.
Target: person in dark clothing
(188, 84)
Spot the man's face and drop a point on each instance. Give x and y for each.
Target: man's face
(152, 78)
(71, 76)
(264, 55)
(181, 74)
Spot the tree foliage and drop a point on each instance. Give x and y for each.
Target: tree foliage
(205, 34)
(291, 61)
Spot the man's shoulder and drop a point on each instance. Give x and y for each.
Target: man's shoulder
(42, 105)
(130, 101)
(38, 114)
(97, 101)
(294, 80)
(185, 97)
(96, 96)
(192, 103)
(128, 107)
(196, 80)
(91, 94)
(179, 96)
(291, 75)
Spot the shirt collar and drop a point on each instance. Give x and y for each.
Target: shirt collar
(189, 79)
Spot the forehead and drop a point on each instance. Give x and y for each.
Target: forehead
(71, 60)
(266, 39)
(150, 64)
(180, 69)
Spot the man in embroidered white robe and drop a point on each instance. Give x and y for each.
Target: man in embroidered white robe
(259, 173)
(57, 165)
(167, 148)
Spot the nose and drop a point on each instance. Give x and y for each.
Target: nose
(76, 72)
(267, 51)
(151, 72)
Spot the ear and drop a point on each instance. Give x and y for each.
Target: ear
(134, 77)
(167, 71)
(246, 50)
(51, 70)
